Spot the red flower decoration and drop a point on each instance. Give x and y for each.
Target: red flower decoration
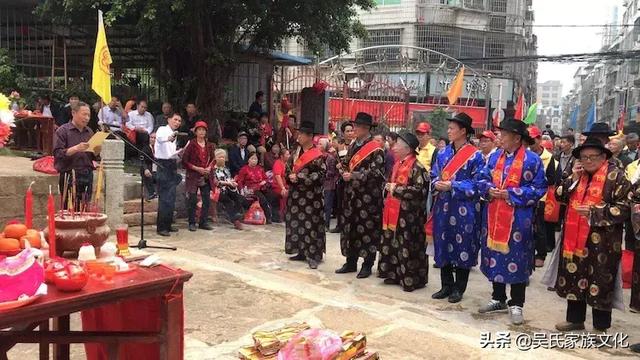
(320, 86)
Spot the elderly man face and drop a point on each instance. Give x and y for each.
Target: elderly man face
(486, 145)
(167, 108)
(401, 149)
(616, 146)
(142, 107)
(591, 159)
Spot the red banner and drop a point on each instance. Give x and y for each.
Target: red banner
(393, 111)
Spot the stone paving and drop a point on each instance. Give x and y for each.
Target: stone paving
(244, 282)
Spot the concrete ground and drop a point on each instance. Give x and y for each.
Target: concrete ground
(244, 282)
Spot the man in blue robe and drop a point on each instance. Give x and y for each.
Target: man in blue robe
(513, 182)
(456, 211)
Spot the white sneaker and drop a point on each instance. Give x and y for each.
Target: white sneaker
(493, 306)
(515, 312)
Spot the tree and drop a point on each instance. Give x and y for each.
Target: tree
(10, 77)
(199, 42)
(438, 120)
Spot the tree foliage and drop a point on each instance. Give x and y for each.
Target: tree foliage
(200, 42)
(438, 120)
(10, 77)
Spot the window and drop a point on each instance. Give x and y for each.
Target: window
(497, 23)
(471, 44)
(495, 48)
(387, 2)
(474, 4)
(498, 6)
(442, 39)
(382, 37)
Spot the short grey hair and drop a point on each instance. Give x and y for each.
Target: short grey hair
(75, 107)
(632, 137)
(220, 152)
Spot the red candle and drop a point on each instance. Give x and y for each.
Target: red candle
(28, 208)
(51, 214)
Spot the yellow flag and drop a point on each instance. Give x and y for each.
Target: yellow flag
(455, 90)
(101, 83)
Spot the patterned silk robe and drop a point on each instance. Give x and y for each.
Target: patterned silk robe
(456, 213)
(403, 253)
(516, 266)
(362, 205)
(305, 228)
(593, 278)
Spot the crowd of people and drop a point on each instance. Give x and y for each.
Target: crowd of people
(487, 199)
(497, 199)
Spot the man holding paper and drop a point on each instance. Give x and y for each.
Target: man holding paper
(71, 155)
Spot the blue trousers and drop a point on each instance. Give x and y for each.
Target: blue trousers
(167, 179)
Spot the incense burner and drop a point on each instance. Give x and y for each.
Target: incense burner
(74, 230)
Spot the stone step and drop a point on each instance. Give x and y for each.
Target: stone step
(133, 206)
(134, 219)
(132, 188)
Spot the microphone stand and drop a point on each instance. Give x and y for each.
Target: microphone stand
(141, 156)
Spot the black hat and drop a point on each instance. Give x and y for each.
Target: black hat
(344, 125)
(242, 133)
(363, 118)
(307, 127)
(409, 138)
(517, 127)
(464, 120)
(593, 143)
(599, 128)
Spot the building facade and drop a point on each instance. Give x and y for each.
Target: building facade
(467, 30)
(613, 85)
(550, 105)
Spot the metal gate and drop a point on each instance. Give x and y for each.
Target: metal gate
(397, 84)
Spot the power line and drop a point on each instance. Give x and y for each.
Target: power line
(577, 57)
(543, 25)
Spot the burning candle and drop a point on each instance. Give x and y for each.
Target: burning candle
(51, 213)
(28, 207)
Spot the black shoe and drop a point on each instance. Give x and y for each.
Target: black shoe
(364, 273)
(164, 233)
(390, 281)
(299, 257)
(173, 229)
(193, 227)
(443, 293)
(151, 197)
(381, 275)
(455, 296)
(313, 264)
(206, 226)
(347, 268)
(335, 230)
(635, 348)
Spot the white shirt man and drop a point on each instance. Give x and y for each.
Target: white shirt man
(165, 146)
(110, 117)
(138, 120)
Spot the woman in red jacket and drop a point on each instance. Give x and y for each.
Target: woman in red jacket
(279, 183)
(252, 180)
(198, 160)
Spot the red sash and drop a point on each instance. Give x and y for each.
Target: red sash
(500, 214)
(307, 157)
(368, 149)
(551, 206)
(456, 163)
(576, 226)
(399, 176)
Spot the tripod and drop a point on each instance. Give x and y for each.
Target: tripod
(142, 156)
